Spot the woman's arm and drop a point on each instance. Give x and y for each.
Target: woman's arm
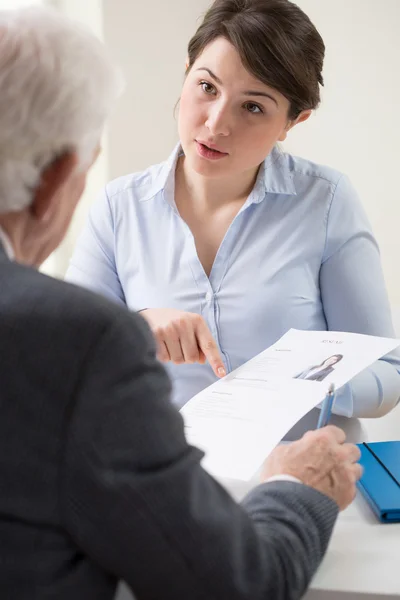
(354, 298)
(93, 262)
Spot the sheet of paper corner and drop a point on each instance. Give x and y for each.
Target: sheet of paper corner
(238, 420)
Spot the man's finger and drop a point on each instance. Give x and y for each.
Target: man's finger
(207, 344)
(335, 432)
(351, 452)
(357, 471)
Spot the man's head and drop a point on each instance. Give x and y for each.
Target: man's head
(57, 87)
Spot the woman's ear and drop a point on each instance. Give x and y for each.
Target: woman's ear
(303, 116)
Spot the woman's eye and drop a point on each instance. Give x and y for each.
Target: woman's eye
(253, 108)
(207, 87)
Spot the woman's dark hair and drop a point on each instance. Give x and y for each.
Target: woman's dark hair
(276, 41)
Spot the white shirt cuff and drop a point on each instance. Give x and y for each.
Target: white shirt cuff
(283, 478)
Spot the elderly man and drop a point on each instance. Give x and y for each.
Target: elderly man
(97, 481)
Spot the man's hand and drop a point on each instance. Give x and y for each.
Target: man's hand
(321, 460)
(183, 337)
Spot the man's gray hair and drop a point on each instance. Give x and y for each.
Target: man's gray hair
(57, 87)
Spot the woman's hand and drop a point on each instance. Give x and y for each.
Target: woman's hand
(183, 337)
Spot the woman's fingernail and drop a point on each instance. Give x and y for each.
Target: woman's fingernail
(221, 371)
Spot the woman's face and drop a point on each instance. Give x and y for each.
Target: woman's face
(228, 120)
(332, 360)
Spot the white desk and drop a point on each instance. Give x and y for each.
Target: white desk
(363, 558)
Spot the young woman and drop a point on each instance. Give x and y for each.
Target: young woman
(319, 372)
(231, 242)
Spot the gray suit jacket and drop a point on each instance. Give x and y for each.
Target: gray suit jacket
(97, 482)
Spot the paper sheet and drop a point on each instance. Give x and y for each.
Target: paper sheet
(238, 420)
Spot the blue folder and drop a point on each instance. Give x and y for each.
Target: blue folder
(380, 482)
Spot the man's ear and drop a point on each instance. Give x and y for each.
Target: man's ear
(303, 116)
(52, 179)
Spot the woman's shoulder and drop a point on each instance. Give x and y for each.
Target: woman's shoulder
(303, 168)
(140, 184)
(144, 185)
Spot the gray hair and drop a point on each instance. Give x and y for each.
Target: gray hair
(57, 87)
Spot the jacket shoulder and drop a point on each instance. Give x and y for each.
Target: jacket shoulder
(61, 308)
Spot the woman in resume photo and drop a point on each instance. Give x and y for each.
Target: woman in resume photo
(231, 241)
(319, 372)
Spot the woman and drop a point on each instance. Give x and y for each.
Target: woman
(319, 372)
(231, 242)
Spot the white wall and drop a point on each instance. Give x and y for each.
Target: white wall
(149, 40)
(356, 130)
(8, 4)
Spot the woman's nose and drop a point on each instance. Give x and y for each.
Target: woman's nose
(219, 122)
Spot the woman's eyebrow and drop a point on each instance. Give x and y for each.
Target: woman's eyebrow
(245, 93)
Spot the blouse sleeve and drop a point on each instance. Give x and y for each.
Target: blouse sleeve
(354, 298)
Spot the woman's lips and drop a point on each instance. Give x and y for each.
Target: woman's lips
(209, 153)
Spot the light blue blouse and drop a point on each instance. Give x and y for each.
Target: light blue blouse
(300, 253)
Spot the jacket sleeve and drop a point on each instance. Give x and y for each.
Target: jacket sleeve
(136, 500)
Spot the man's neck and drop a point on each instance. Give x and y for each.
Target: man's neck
(20, 239)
